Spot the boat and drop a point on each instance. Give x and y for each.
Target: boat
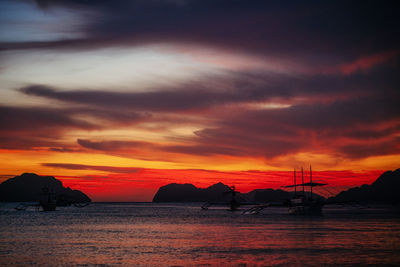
(301, 203)
(48, 200)
(232, 202)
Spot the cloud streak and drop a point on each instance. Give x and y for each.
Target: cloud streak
(90, 167)
(30, 127)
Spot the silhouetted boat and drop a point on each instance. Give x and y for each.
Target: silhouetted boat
(233, 203)
(22, 206)
(301, 204)
(48, 200)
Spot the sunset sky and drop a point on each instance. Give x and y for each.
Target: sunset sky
(117, 98)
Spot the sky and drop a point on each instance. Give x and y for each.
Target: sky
(117, 98)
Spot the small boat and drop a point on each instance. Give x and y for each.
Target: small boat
(21, 207)
(48, 200)
(233, 203)
(300, 203)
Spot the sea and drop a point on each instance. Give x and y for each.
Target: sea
(156, 234)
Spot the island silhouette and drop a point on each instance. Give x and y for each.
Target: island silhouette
(385, 189)
(28, 187)
(218, 192)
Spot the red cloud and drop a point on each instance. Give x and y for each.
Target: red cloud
(367, 62)
(363, 63)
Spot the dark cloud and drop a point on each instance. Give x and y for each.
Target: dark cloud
(27, 142)
(234, 87)
(112, 145)
(246, 142)
(20, 119)
(36, 127)
(153, 101)
(310, 128)
(91, 167)
(41, 127)
(202, 150)
(376, 148)
(314, 31)
(64, 149)
(367, 133)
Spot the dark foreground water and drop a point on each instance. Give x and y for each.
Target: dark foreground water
(137, 234)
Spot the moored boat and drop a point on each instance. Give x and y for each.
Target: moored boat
(302, 203)
(48, 200)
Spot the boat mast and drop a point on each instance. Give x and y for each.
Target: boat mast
(302, 179)
(311, 181)
(294, 175)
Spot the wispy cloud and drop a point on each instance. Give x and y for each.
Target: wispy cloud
(90, 167)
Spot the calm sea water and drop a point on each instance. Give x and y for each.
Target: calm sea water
(146, 234)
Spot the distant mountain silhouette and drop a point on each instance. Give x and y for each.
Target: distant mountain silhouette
(29, 186)
(385, 189)
(190, 193)
(218, 192)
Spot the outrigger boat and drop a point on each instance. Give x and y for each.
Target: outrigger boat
(304, 204)
(48, 200)
(233, 203)
(301, 203)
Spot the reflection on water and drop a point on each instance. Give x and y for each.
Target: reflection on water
(164, 235)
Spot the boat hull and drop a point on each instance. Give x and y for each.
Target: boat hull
(49, 207)
(315, 209)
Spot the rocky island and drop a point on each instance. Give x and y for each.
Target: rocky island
(29, 186)
(217, 193)
(385, 189)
